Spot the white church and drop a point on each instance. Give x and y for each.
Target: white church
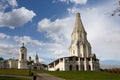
(80, 56)
(22, 62)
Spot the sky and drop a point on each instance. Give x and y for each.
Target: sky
(45, 26)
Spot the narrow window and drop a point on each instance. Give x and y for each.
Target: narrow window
(70, 67)
(22, 56)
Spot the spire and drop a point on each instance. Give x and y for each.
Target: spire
(22, 44)
(36, 57)
(78, 24)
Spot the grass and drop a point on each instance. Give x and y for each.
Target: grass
(14, 72)
(80, 75)
(11, 78)
(21, 72)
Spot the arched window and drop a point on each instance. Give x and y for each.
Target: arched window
(70, 67)
(22, 56)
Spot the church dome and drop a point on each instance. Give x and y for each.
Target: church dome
(22, 46)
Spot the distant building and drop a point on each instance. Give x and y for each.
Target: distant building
(11, 63)
(1, 62)
(22, 62)
(80, 56)
(37, 65)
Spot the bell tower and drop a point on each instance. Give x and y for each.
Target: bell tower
(80, 46)
(22, 62)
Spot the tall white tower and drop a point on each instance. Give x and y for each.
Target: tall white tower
(80, 46)
(22, 62)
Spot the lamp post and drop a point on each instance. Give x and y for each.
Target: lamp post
(29, 66)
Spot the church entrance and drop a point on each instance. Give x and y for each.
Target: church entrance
(89, 67)
(82, 67)
(70, 67)
(77, 68)
(35, 68)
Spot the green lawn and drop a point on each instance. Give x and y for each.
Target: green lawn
(11, 78)
(14, 72)
(79, 75)
(19, 72)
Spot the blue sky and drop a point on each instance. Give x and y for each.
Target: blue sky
(45, 27)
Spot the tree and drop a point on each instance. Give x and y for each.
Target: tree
(116, 11)
(1, 58)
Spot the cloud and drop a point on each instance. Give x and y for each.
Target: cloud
(8, 49)
(72, 1)
(78, 1)
(56, 30)
(13, 3)
(27, 40)
(73, 10)
(4, 36)
(16, 17)
(4, 4)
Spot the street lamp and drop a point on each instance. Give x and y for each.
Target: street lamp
(30, 66)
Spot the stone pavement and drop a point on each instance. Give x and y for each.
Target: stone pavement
(44, 76)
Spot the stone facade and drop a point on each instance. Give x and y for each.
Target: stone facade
(80, 56)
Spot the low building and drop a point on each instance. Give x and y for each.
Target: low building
(11, 63)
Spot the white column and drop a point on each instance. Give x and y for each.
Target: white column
(85, 64)
(79, 65)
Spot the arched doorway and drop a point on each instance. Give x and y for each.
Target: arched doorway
(82, 67)
(89, 68)
(70, 67)
(77, 67)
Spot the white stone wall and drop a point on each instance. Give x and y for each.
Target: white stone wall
(13, 63)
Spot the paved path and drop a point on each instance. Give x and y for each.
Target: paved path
(44, 76)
